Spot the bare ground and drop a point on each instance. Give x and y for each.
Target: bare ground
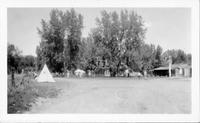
(118, 95)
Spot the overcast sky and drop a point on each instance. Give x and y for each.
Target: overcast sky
(168, 27)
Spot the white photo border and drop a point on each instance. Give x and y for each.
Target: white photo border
(193, 117)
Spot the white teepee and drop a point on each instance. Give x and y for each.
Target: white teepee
(45, 75)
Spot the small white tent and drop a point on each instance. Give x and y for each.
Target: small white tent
(45, 75)
(79, 72)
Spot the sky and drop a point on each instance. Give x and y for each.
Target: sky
(168, 27)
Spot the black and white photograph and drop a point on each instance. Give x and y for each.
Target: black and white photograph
(90, 60)
(99, 60)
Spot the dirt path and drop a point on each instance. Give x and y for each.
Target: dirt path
(118, 96)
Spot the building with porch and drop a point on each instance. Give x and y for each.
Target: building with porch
(178, 70)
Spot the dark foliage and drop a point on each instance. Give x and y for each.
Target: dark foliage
(60, 41)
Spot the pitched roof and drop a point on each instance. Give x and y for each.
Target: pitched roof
(174, 66)
(161, 68)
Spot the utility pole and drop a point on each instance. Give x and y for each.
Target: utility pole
(170, 66)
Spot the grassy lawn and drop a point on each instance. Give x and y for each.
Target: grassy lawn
(117, 95)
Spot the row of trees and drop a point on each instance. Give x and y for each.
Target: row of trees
(153, 55)
(178, 56)
(17, 62)
(118, 40)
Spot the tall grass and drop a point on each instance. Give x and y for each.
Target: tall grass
(26, 91)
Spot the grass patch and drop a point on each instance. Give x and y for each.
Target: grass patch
(26, 92)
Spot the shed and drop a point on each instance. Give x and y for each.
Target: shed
(179, 70)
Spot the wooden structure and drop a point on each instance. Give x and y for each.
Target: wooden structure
(178, 70)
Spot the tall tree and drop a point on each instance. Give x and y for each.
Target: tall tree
(60, 40)
(118, 37)
(52, 38)
(73, 24)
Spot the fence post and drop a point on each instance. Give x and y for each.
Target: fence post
(12, 77)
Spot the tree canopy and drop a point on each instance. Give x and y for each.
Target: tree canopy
(17, 62)
(118, 40)
(60, 40)
(178, 56)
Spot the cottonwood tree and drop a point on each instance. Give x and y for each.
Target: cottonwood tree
(51, 46)
(60, 40)
(73, 24)
(118, 38)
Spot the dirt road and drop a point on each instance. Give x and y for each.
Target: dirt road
(122, 95)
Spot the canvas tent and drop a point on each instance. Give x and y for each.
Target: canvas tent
(45, 75)
(79, 72)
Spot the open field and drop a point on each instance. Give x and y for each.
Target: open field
(117, 95)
